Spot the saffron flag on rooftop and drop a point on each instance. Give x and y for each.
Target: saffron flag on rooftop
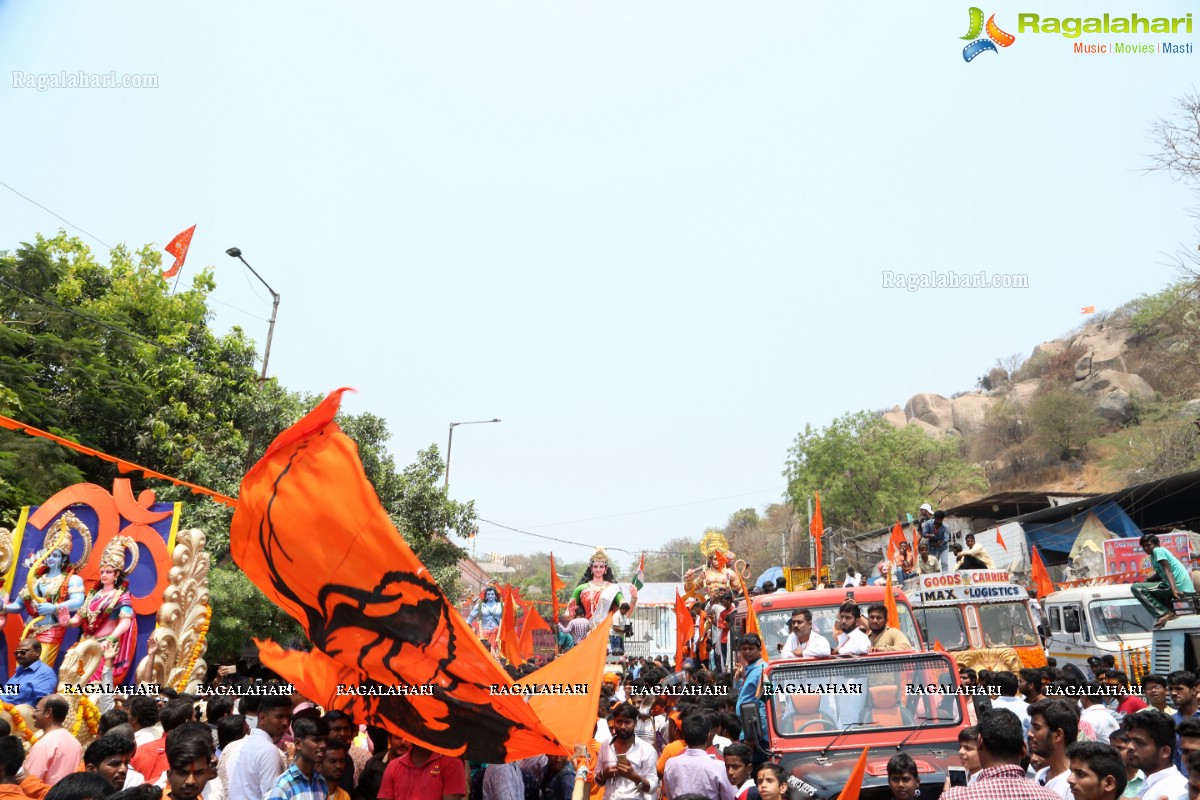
(1041, 576)
(1088, 310)
(178, 247)
(372, 611)
(1000, 539)
(816, 527)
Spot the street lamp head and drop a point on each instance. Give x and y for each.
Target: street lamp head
(234, 252)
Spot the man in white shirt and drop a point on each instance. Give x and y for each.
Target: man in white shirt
(1094, 712)
(1053, 726)
(851, 578)
(1151, 748)
(802, 642)
(260, 762)
(1007, 683)
(852, 641)
(626, 766)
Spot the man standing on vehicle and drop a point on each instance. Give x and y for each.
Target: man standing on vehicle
(939, 541)
(1001, 746)
(1053, 727)
(802, 642)
(884, 639)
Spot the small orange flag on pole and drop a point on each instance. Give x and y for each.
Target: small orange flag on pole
(937, 645)
(855, 781)
(889, 602)
(556, 586)
(1088, 310)
(685, 626)
(894, 542)
(510, 645)
(816, 527)
(1041, 577)
(752, 625)
(178, 247)
(1000, 539)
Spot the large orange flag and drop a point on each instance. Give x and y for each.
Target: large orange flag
(816, 527)
(310, 532)
(1041, 577)
(178, 247)
(855, 781)
(685, 626)
(510, 645)
(572, 717)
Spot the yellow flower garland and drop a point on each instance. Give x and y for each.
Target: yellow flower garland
(88, 712)
(19, 726)
(201, 641)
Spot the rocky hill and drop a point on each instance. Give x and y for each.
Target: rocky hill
(1110, 403)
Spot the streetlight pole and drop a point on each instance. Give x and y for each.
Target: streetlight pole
(234, 252)
(450, 443)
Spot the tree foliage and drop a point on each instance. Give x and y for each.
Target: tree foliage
(108, 356)
(869, 473)
(1063, 421)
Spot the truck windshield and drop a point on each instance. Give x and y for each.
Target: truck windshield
(815, 698)
(1006, 625)
(944, 625)
(1123, 616)
(774, 624)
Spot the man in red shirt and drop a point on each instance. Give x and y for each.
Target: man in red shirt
(421, 774)
(1129, 703)
(151, 758)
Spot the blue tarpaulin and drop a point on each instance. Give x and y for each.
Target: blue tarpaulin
(1059, 537)
(772, 574)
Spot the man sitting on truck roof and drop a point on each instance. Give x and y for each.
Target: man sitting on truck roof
(883, 638)
(974, 556)
(927, 564)
(1172, 582)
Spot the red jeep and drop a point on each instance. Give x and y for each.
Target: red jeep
(821, 713)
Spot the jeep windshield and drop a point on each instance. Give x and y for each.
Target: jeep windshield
(820, 697)
(774, 626)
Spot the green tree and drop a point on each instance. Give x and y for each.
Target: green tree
(869, 472)
(1063, 421)
(109, 357)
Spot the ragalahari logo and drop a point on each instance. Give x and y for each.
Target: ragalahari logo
(994, 37)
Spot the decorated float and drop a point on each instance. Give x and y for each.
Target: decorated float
(91, 569)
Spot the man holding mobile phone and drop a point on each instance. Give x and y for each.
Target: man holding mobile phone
(626, 766)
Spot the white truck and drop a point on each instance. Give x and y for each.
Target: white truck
(1094, 621)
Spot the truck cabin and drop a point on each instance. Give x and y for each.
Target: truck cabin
(821, 713)
(775, 610)
(972, 609)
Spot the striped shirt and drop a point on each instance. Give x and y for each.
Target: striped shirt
(292, 785)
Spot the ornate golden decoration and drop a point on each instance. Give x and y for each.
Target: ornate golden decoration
(7, 554)
(996, 659)
(713, 541)
(180, 628)
(115, 552)
(79, 664)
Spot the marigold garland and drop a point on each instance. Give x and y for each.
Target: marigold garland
(197, 649)
(19, 726)
(88, 712)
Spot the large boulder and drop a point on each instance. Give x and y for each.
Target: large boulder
(1106, 346)
(1115, 407)
(895, 417)
(1190, 409)
(1023, 392)
(969, 413)
(932, 409)
(1083, 367)
(930, 430)
(1049, 349)
(1106, 380)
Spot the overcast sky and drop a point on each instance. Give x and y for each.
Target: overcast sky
(648, 236)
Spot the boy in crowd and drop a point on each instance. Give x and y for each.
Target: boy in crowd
(1097, 771)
